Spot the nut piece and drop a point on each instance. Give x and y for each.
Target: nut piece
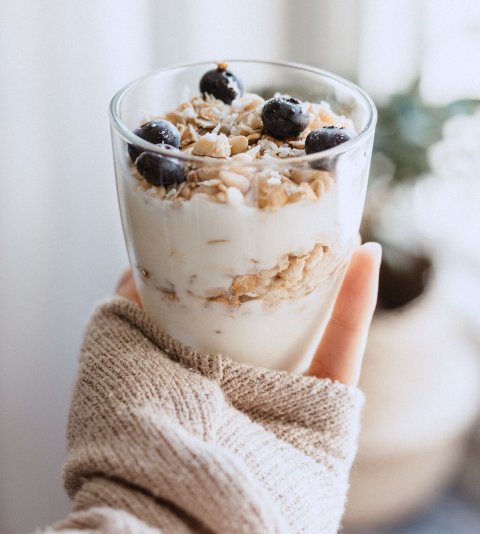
(271, 196)
(210, 144)
(238, 144)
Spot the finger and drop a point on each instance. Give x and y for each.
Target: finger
(126, 287)
(340, 353)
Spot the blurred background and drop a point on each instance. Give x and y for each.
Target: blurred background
(418, 469)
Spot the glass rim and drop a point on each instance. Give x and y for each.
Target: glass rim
(128, 135)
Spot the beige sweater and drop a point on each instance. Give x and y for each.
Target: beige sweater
(162, 438)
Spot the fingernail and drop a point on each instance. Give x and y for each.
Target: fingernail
(373, 248)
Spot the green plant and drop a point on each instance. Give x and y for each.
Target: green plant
(407, 126)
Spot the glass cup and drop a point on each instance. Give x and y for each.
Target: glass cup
(252, 275)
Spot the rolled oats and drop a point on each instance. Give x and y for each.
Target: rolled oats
(188, 136)
(315, 257)
(297, 143)
(205, 173)
(297, 196)
(233, 179)
(214, 130)
(296, 275)
(242, 285)
(235, 197)
(307, 189)
(304, 174)
(322, 184)
(248, 102)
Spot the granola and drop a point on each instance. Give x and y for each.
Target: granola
(234, 133)
(294, 276)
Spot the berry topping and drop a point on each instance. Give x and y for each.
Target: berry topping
(221, 84)
(284, 116)
(158, 132)
(323, 139)
(161, 170)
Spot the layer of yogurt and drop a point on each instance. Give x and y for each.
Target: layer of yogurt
(222, 270)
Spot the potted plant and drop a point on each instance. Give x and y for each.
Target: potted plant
(421, 373)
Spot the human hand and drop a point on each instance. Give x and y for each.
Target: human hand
(340, 353)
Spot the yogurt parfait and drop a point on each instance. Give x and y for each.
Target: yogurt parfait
(241, 199)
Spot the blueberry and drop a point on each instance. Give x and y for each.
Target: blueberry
(221, 84)
(160, 170)
(323, 139)
(158, 132)
(284, 116)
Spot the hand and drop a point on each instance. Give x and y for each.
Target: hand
(340, 353)
(126, 287)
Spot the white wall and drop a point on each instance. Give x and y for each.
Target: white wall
(61, 244)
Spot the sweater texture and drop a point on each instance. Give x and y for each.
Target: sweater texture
(164, 438)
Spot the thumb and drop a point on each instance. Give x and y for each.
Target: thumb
(340, 353)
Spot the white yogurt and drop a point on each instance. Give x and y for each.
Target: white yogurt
(191, 250)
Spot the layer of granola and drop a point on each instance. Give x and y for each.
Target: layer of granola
(295, 276)
(234, 133)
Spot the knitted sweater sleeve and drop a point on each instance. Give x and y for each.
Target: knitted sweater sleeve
(163, 438)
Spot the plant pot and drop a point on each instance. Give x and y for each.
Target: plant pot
(421, 378)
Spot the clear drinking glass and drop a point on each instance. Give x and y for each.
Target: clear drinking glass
(253, 280)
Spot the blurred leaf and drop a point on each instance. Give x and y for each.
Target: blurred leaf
(407, 127)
